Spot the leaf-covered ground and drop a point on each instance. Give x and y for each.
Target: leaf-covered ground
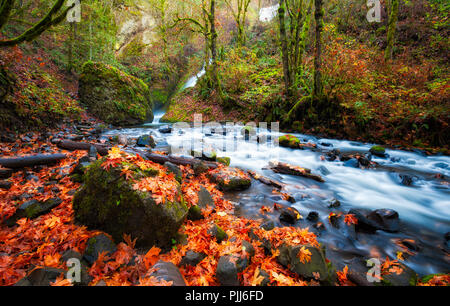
(42, 241)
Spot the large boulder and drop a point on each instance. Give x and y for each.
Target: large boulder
(111, 202)
(317, 266)
(114, 96)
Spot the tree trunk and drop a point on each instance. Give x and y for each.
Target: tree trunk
(161, 159)
(84, 146)
(284, 47)
(28, 161)
(284, 168)
(318, 15)
(392, 25)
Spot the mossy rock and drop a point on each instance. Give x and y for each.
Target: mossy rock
(407, 277)
(217, 232)
(224, 160)
(228, 181)
(289, 141)
(248, 131)
(33, 209)
(114, 96)
(195, 213)
(288, 257)
(378, 151)
(108, 202)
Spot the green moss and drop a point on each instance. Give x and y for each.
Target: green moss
(220, 234)
(195, 213)
(289, 141)
(224, 160)
(377, 150)
(114, 96)
(122, 209)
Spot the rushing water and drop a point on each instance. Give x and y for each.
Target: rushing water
(424, 207)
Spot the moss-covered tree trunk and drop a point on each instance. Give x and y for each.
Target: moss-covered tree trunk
(213, 45)
(240, 16)
(37, 29)
(318, 16)
(284, 48)
(392, 25)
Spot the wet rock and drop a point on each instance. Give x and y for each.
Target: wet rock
(325, 144)
(217, 232)
(165, 129)
(407, 277)
(227, 272)
(334, 220)
(167, 271)
(313, 216)
(364, 224)
(268, 225)
(319, 226)
(289, 215)
(195, 213)
(209, 154)
(205, 199)
(324, 170)
(175, 170)
(411, 244)
(200, 167)
(231, 179)
(224, 160)
(96, 245)
(332, 155)
(441, 165)
(108, 202)
(192, 258)
(386, 219)
(364, 160)
(406, 180)
(289, 141)
(248, 132)
(357, 272)
(334, 203)
(378, 151)
(146, 141)
(33, 209)
(352, 163)
(41, 277)
(288, 257)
